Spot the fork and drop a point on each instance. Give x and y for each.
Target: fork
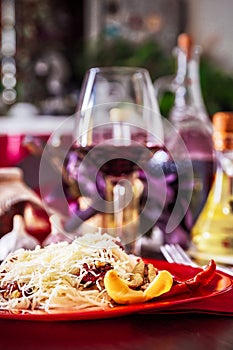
(175, 253)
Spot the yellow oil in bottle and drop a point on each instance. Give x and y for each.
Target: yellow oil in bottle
(212, 233)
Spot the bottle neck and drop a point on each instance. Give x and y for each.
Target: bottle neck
(188, 96)
(183, 98)
(223, 186)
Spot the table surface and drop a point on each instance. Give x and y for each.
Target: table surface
(138, 332)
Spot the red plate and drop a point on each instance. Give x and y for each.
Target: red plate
(220, 284)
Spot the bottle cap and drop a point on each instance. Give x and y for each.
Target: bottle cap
(185, 43)
(223, 131)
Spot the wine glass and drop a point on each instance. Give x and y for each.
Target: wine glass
(118, 128)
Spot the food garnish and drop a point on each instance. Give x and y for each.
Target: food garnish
(121, 293)
(201, 279)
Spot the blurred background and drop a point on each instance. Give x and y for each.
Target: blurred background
(46, 48)
(47, 45)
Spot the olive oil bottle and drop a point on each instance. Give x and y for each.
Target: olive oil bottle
(212, 233)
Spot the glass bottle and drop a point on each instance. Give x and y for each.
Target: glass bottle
(190, 132)
(212, 234)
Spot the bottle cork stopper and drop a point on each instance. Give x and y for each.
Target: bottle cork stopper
(185, 43)
(223, 130)
(223, 121)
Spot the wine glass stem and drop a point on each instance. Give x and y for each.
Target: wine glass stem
(124, 195)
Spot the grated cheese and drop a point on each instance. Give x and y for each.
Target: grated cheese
(50, 277)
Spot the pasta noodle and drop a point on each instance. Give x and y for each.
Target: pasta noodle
(62, 275)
